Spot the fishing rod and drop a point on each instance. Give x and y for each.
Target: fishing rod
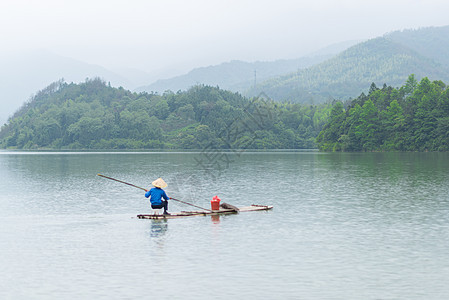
(107, 177)
(123, 182)
(190, 204)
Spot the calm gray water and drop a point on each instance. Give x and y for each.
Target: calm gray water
(344, 226)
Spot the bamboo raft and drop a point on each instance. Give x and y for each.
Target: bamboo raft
(224, 208)
(221, 211)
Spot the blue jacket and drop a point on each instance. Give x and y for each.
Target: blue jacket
(156, 195)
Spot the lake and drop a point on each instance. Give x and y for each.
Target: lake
(344, 226)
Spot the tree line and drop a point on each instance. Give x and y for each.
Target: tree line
(94, 115)
(413, 117)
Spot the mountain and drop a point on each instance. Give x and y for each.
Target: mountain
(23, 74)
(389, 59)
(430, 42)
(235, 75)
(239, 76)
(94, 115)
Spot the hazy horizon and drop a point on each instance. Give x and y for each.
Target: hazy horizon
(154, 35)
(173, 37)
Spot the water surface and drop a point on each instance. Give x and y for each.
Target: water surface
(344, 226)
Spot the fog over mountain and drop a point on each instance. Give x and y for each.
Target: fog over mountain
(388, 59)
(239, 76)
(123, 41)
(25, 73)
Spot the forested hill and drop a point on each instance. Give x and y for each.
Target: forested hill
(414, 117)
(93, 115)
(389, 59)
(431, 42)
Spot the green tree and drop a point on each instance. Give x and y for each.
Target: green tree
(393, 123)
(410, 85)
(354, 124)
(328, 137)
(85, 131)
(161, 109)
(369, 126)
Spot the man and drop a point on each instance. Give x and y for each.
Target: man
(156, 194)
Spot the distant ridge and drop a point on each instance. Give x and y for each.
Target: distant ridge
(431, 42)
(389, 59)
(239, 76)
(234, 75)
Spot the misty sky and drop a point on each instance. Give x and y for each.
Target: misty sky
(153, 35)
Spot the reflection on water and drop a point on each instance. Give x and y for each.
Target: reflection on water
(215, 219)
(344, 226)
(158, 228)
(158, 231)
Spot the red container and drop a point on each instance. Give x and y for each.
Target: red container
(215, 203)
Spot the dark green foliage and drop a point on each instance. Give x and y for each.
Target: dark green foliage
(93, 115)
(414, 117)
